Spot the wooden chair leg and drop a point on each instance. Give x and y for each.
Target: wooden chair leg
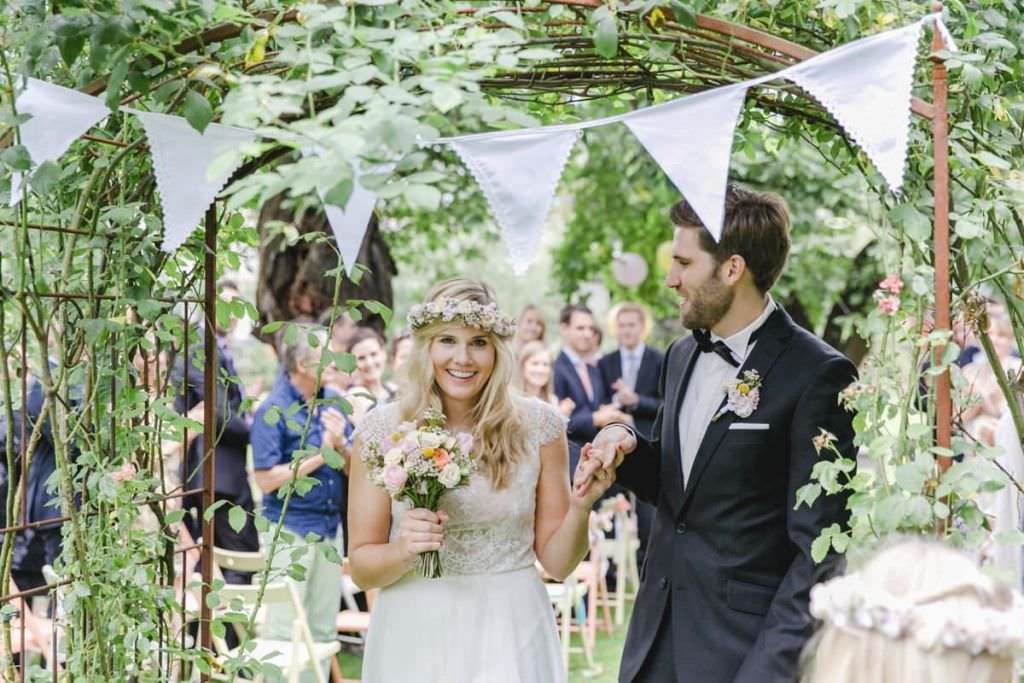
(336, 671)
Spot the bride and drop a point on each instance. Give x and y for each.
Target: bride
(488, 618)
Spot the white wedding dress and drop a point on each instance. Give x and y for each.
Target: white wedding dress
(488, 618)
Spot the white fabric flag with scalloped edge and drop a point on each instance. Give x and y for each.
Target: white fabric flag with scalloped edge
(866, 86)
(518, 173)
(182, 161)
(349, 223)
(691, 139)
(59, 117)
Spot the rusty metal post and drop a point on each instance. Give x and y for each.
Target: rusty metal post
(209, 405)
(940, 134)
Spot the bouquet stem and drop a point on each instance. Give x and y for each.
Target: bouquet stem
(430, 565)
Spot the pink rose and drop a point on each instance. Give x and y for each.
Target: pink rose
(394, 478)
(892, 284)
(465, 442)
(889, 305)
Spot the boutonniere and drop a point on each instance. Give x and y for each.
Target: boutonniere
(742, 394)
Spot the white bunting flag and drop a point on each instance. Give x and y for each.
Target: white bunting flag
(182, 158)
(518, 174)
(866, 86)
(59, 117)
(349, 223)
(691, 139)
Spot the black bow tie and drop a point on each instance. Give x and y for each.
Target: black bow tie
(719, 348)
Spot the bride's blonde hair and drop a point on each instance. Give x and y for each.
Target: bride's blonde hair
(499, 433)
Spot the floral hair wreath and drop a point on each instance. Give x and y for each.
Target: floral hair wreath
(850, 604)
(487, 317)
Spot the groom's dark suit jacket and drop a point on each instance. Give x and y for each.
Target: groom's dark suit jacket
(729, 559)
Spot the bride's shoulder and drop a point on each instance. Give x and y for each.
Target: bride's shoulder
(542, 420)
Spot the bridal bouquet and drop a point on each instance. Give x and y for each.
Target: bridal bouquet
(420, 463)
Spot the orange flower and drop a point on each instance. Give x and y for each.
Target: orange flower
(441, 458)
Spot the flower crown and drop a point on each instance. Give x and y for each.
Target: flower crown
(484, 316)
(849, 603)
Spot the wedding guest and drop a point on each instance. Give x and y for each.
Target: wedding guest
(530, 326)
(632, 373)
(981, 418)
(342, 329)
(535, 378)
(316, 513)
(368, 386)
(575, 379)
(39, 545)
(231, 425)
(401, 345)
(918, 611)
(593, 355)
(632, 370)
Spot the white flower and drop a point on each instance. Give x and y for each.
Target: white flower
(430, 440)
(450, 475)
(394, 457)
(449, 443)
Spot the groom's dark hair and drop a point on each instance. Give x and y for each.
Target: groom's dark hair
(755, 226)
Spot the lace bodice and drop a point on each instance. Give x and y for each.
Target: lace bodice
(488, 530)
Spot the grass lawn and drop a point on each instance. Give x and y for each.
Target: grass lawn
(607, 653)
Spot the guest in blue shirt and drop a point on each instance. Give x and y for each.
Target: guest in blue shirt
(280, 430)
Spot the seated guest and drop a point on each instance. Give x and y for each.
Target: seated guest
(279, 430)
(368, 386)
(534, 376)
(918, 611)
(530, 326)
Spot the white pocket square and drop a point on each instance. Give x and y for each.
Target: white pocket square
(749, 426)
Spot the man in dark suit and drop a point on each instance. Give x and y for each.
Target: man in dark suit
(724, 593)
(632, 372)
(230, 478)
(575, 379)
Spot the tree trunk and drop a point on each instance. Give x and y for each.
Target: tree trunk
(293, 284)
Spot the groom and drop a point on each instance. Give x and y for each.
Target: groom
(724, 591)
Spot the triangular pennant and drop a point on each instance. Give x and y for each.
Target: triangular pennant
(349, 223)
(518, 174)
(866, 86)
(59, 117)
(182, 158)
(691, 139)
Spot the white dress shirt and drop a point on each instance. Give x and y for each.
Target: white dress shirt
(705, 393)
(630, 360)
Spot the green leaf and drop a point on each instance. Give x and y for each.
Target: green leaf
(16, 158)
(197, 110)
(236, 518)
(271, 328)
(70, 39)
(606, 37)
(45, 177)
(340, 193)
(117, 75)
(820, 546)
(446, 97)
(332, 458)
(208, 512)
(426, 197)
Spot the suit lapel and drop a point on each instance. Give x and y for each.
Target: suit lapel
(671, 465)
(770, 344)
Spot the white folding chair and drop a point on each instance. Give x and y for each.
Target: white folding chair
(293, 656)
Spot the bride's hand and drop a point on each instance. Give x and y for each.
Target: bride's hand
(591, 480)
(421, 531)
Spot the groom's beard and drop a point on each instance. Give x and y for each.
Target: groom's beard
(708, 305)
